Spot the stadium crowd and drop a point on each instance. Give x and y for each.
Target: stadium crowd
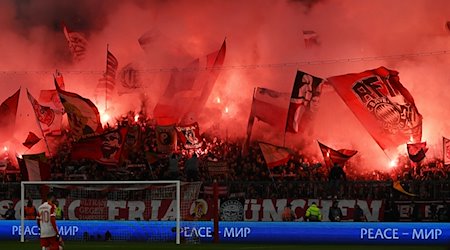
(301, 176)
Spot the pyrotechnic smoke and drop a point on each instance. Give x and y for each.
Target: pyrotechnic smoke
(258, 33)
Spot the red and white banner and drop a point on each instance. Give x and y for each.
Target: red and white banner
(270, 106)
(254, 209)
(105, 148)
(332, 156)
(189, 136)
(106, 85)
(274, 155)
(49, 120)
(304, 101)
(77, 43)
(180, 92)
(384, 107)
(35, 167)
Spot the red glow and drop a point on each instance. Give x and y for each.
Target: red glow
(104, 117)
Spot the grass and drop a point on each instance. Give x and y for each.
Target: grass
(10, 245)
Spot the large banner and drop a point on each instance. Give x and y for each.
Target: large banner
(245, 232)
(253, 209)
(105, 148)
(382, 104)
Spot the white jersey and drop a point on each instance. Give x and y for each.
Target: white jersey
(45, 212)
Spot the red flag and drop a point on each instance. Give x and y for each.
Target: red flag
(77, 43)
(446, 148)
(270, 106)
(180, 92)
(304, 101)
(31, 140)
(105, 148)
(310, 38)
(82, 114)
(8, 111)
(332, 156)
(59, 80)
(166, 138)
(107, 83)
(189, 135)
(416, 151)
(381, 103)
(35, 167)
(274, 155)
(208, 78)
(46, 117)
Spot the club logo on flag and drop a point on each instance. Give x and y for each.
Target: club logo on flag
(378, 98)
(190, 136)
(44, 114)
(382, 104)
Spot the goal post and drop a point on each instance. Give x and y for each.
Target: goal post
(128, 210)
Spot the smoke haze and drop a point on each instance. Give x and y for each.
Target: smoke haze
(258, 33)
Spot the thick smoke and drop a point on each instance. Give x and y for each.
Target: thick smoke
(263, 33)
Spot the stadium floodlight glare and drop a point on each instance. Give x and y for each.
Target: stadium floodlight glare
(104, 194)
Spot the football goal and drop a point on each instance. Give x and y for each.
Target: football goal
(112, 210)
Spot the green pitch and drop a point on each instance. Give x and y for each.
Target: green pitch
(9, 245)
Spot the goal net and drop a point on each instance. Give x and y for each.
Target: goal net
(113, 211)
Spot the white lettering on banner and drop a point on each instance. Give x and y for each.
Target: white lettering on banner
(136, 210)
(269, 212)
(72, 207)
(156, 204)
(113, 208)
(373, 212)
(425, 234)
(202, 232)
(379, 234)
(34, 230)
(236, 232)
(170, 214)
(254, 207)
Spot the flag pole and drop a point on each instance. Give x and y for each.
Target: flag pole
(104, 77)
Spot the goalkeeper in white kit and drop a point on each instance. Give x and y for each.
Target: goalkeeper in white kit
(46, 220)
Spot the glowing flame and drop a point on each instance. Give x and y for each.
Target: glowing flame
(328, 153)
(392, 163)
(226, 110)
(5, 148)
(218, 100)
(136, 118)
(104, 118)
